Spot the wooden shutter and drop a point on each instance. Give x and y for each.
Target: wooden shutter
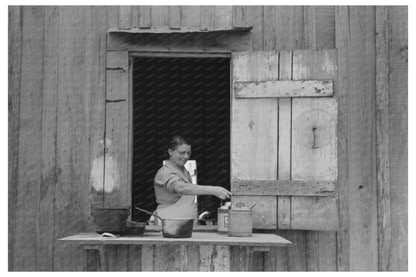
(283, 138)
(117, 134)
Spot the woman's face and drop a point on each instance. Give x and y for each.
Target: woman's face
(180, 155)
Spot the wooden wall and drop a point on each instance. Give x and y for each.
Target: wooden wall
(57, 112)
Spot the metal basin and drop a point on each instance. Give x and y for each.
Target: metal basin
(177, 227)
(110, 220)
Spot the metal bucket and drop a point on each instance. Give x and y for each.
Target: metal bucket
(240, 222)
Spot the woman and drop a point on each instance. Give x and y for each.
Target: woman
(174, 191)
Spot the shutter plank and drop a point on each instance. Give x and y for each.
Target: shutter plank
(273, 89)
(285, 133)
(283, 187)
(314, 142)
(254, 131)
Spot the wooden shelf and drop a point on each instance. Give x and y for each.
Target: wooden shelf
(166, 30)
(198, 238)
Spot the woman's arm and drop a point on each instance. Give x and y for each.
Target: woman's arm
(192, 189)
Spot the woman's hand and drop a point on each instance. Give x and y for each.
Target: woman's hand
(220, 192)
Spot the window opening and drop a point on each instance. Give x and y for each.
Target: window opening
(187, 96)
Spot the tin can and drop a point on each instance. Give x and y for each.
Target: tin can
(240, 223)
(222, 226)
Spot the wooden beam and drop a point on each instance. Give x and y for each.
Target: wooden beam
(398, 135)
(284, 88)
(283, 187)
(382, 135)
(218, 41)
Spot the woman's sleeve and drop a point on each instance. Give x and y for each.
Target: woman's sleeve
(168, 180)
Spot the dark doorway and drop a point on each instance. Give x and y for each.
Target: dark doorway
(182, 96)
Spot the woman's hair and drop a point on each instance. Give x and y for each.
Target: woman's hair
(177, 141)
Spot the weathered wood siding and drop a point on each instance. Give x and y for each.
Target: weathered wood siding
(57, 92)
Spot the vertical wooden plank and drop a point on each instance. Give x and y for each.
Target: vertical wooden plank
(145, 13)
(310, 28)
(49, 129)
(254, 155)
(116, 178)
(191, 16)
(312, 250)
(14, 74)
(398, 135)
(361, 140)
(240, 16)
(205, 257)
(124, 19)
(321, 251)
(148, 254)
(289, 32)
(112, 17)
(221, 258)
(117, 257)
(343, 89)
(327, 251)
(325, 27)
(135, 10)
(239, 258)
(95, 64)
(223, 17)
(30, 141)
(269, 28)
(314, 152)
(174, 17)
(321, 148)
(159, 16)
(254, 128)
(255, 19)
(296, 253)
(168, 258)
(134, 258)
(207, 17)
(285, 134)
(73, 136)
(277, 259)
(319, 27)
(382, 137)
(191, 260)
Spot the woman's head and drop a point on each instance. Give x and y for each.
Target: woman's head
(179, 151)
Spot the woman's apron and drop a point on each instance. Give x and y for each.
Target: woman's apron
(185, 207)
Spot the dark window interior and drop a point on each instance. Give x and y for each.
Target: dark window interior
(189, 97)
